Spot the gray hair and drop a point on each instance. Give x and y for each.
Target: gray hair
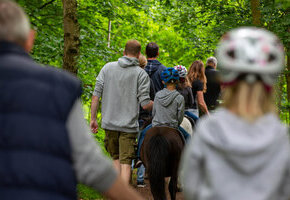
(211, 60)
(14, 23)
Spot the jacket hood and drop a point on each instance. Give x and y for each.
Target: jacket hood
(128, 61)
(246, 146)
(152, 66)
(165, 96)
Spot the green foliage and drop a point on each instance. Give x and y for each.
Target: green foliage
(46, 20)
(185, 31)
(87, 193)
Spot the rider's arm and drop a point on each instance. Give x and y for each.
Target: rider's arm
(91, 166)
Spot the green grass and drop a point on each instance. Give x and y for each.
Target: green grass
(87, 193)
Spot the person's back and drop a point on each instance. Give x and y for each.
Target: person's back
(197, 79)
(154, 67)
(168, 108)
(186, 92)
(242, 151)
(243, 161)
(123, 86)
(120, 105)
(213, 86)
(184, 88)
(34, 105)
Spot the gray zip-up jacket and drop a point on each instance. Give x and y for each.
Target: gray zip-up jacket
(230, 158)
(168, 108)
(123, 86)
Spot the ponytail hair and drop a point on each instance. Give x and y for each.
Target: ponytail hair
(249, 101)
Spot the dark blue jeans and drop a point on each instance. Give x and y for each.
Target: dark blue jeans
(143, 132)
(191, 115)
(141, 138)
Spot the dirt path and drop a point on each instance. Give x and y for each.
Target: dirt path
(145, 192)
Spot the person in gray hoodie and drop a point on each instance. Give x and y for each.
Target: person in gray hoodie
(242, 151)
(123, 86)
(168, 109)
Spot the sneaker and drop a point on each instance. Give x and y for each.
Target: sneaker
(138, 163)
(141, 184)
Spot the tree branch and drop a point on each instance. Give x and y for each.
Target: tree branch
(46, 4)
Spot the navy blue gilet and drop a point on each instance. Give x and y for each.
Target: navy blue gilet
(35, 153)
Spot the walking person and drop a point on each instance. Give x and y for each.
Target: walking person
(184, 88)
(144, 116)
(45, 145)
(213, 87)
(123, 86)
(154, 67)
(242, 150)
(197, 79)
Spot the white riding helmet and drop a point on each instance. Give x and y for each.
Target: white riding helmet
(182, 71)
(251, 51)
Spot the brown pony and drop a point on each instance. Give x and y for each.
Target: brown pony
(160, 152)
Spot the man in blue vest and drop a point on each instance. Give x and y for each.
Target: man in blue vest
(45, 146)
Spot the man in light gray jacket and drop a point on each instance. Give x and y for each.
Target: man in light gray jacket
(123, 86)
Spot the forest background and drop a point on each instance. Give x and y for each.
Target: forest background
(82, 35)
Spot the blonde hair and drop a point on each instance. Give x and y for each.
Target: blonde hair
(142, 61)
(249, 101)
(14, 23)
(196, 72)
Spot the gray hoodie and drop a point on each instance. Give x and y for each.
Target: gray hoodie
(232, 159)
(168, 108)
(123, 86)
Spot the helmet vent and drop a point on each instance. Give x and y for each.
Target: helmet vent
(271, 57)
(251, 61)
(231, 54)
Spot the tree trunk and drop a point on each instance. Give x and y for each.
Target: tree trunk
(109, 33)
(288, 79)
(71, 35)
(256, 13)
